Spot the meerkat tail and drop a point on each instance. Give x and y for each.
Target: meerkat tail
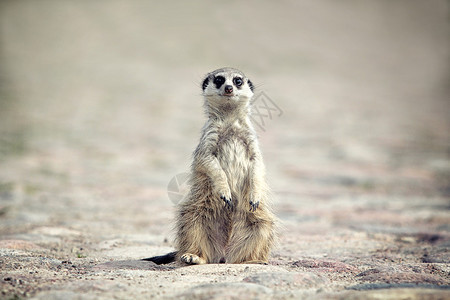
(162, 259)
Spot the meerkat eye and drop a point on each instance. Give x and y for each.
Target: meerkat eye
(219, 80)
(237, 81)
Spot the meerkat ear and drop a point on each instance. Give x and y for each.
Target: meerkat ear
(250, 84)
(205, 83)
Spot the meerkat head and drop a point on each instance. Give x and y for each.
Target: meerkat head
(227, 88)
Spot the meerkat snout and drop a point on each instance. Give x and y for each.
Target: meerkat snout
(228, 89)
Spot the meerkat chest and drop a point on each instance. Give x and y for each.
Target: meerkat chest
(233, 150)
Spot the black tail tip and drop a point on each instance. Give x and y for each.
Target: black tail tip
(162, 259)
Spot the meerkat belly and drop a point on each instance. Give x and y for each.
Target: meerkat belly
(234, 161)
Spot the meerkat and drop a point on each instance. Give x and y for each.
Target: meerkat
(226, 216)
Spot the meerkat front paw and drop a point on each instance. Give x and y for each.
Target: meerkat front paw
(192, 259)
(254, 202)
(227, 200)
(253, 205)
(225, 195)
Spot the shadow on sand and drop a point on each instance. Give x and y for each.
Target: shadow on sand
(132, 265)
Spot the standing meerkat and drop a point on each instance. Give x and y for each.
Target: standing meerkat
(226, 215)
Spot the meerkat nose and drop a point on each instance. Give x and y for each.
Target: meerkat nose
(228, 89)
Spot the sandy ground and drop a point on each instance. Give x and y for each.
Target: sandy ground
(100, 108)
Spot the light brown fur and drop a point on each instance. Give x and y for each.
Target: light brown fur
(226, 216)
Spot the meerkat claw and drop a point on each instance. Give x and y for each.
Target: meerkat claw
(227, 201)
(253, 206)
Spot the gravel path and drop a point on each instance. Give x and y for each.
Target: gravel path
(100, 108)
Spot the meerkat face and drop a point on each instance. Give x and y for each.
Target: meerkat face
(227, 84)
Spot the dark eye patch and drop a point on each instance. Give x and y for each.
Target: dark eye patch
(250, 84)
(205, 83)
(218, 81)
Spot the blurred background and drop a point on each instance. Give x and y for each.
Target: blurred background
(100, 101)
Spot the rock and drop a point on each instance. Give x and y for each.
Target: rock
(379, 286)
(325, 265)
(233, 290)
(437, 254)
(294, 279)
(131, 265)
(56, 295)
(391, 294)
(401, 277)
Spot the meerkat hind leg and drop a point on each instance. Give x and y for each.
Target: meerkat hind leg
(192, 259)
(250, 242)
